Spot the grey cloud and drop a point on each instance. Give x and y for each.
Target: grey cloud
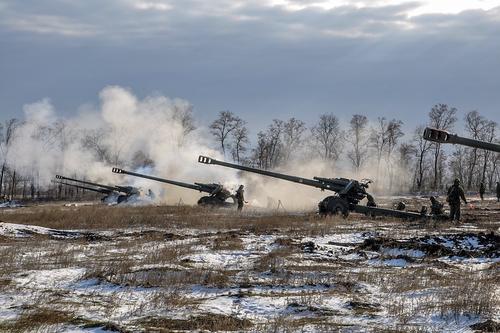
(256, 60)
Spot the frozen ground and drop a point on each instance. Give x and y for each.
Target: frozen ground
(96, 268)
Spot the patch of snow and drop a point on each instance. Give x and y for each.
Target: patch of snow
(399, 263)
(394, 252)
(21, 230)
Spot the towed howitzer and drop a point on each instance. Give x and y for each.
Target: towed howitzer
(99, 190)
(442, 136)
(122, 192)
(349, 192)
(218, 194)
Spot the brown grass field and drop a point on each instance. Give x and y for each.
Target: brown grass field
(181, 268)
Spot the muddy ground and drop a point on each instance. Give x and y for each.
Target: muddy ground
(93, 268)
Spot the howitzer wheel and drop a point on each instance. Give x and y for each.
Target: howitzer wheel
(334, 206)
(212, 202)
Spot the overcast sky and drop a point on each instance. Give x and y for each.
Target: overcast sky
(261, 59)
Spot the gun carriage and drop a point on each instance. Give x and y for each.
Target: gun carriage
(348, 192)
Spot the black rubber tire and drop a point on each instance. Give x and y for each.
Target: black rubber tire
(334, 206)
(209, 201)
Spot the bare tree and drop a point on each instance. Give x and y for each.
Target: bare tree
(260, 152)
(406, 153)
(422, 148)
(223, 126)
(357, 139)
(293, 130)
(476, 125)
(240, 142)
(489, 135)
(443, 117)
(393, 134)
(185, 116)
(269, 152)
(6, 137)
(328, 137)
(378, 139)
(94, 141)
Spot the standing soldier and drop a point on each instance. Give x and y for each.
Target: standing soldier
(498, 191)
(455, 193)
(240, 197)
(482, 189)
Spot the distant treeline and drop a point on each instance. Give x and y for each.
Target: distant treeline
(377, 147)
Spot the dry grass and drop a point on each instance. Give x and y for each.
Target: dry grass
(152, 247)
(36, 320)
(209, 322)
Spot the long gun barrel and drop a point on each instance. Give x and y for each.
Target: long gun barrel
(305, 181)
(442, 136)
(99, 190)
(196, 186)
(348, 187)
(110, 188)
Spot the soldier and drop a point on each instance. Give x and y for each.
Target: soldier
(401, 205)
(240, 197)
(455, 193)
(482, 189)
(370, 201)
(498, 191)
(436, 207)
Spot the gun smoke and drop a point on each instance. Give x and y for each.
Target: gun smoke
(158, 136)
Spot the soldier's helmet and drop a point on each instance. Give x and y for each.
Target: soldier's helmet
(456, 181)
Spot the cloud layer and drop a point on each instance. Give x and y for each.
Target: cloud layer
(262, 59)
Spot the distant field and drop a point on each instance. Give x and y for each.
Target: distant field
(178, 268)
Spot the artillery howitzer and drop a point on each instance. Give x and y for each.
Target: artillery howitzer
(122, 193)
(99, 190)
(442, 136)
(218, 194)
(349, 192)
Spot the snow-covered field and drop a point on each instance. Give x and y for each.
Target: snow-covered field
(93, 269)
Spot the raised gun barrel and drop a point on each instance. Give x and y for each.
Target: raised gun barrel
(305, 181)
(353, 190)
(196, 186)
(442, 136)
(110, 188)
(99, 190)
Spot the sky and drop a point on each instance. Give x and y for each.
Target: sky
(260, 59)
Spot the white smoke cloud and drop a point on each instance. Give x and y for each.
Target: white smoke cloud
(46, 144)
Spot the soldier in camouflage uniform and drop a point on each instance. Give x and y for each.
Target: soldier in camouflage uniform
(240, 197)
(482, 189)
(455, 193)
(436, 207)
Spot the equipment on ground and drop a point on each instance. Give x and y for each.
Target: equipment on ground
(218, 194)
(348, 192)
(442, 136)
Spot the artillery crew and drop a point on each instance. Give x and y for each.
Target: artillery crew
(370, 201)
(455, 193)
(436, 207)
(240, 197)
